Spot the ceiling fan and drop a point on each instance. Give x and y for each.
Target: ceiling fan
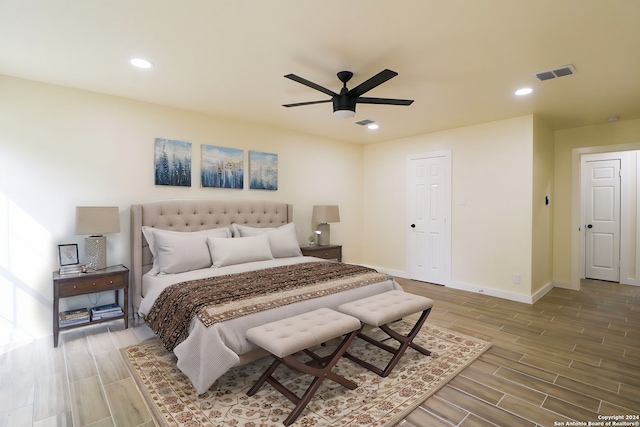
(344, 103)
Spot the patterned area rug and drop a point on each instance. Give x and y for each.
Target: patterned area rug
(379, 402)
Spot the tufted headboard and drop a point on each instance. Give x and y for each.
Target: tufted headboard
(195, 215)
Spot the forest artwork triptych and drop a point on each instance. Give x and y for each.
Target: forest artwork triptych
(221, 167)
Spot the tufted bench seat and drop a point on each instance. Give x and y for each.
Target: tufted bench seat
(382, 309)
(284, 338)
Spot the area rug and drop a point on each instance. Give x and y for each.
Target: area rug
(376, 402)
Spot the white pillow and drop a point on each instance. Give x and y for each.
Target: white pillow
(283, 240)
(180, 251)
(239, 250)
(246, 231)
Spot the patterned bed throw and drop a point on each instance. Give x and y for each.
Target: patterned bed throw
(221, 298)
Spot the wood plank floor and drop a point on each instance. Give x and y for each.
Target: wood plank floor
(571, 356)
(83, 382)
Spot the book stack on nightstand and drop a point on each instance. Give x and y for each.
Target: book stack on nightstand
(74, 317)
(106, 311)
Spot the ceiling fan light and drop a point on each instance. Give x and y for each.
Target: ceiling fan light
(344, 114)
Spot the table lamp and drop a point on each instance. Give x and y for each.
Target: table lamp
(324, 214)
(96, 221)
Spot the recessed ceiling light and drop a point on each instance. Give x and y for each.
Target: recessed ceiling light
(524, 91)
(141, 63)
(372, 126)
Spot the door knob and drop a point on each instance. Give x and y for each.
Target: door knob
(413, 226)
(589, 225)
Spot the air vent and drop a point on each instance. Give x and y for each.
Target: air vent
(567, 70)
(365, 122)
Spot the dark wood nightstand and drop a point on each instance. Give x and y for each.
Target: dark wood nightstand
(111, 278)
(324, 252)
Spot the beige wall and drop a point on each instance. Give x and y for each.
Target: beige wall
(570, 144)
(491, 234)
(542, 225)
(63, 147)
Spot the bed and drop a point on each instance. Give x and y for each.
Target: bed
(209, 349)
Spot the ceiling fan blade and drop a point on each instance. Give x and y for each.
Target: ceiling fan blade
(310, 84)
(305, 103)
(389, 101)
(374, 81)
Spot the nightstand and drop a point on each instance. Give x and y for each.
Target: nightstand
(111, 278)
(324, 252)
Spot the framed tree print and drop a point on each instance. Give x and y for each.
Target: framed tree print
(263, 171)
(172, 162)
(222, 167)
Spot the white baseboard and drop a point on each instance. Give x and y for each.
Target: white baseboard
(542, 292)
(566, 285)
(512, 296)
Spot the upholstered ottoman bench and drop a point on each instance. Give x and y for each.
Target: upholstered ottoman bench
(382, 309)
(286, 337)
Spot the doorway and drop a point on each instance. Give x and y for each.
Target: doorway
(606, 216)
(602, 219)
(429, 217)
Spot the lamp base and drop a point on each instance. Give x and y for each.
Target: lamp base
(325, 234)
(95, 248)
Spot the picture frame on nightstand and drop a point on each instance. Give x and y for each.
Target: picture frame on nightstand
(68, 254)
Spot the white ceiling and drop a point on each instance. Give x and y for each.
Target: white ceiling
(461, 60)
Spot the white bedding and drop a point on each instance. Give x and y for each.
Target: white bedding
(210, 352)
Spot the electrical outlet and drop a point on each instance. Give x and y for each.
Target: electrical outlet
(516, 279)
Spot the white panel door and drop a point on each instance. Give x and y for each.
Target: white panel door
(602, 215)
(428, 238)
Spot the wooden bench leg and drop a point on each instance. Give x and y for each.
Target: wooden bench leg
(318, 367)
(264, 377)
(405, 341)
